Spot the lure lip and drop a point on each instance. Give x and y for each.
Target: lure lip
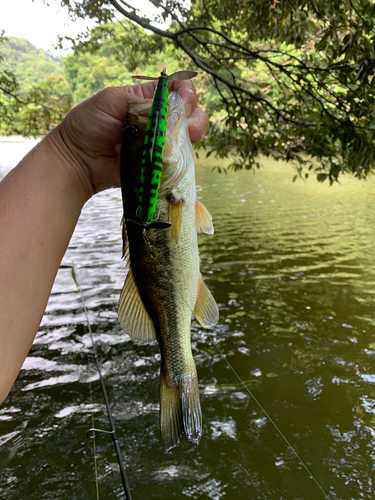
(186, 74)
(154, 224)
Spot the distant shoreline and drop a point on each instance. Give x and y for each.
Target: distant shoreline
(18, 138)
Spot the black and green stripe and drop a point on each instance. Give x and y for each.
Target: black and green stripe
(153, 153)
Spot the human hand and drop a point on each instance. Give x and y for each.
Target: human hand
(89, 133)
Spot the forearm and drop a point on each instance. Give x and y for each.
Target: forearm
(40, 202)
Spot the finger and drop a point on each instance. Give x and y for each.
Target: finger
(186, 90)
(114, 100)
(198, 125)
(144, 91)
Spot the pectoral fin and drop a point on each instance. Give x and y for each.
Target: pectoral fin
(175, 215)
(132, 313)
(203, 219)
(206, 310)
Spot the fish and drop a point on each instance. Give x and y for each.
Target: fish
(164, 286)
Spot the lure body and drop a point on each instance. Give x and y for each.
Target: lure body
(153, 152)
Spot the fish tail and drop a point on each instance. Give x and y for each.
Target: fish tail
(180, 411)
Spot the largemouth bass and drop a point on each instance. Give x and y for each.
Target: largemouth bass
(164, 285)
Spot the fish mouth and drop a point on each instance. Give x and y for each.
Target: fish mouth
(142, 109)
(178, 151)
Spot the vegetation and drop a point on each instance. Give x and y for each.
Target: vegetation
(293, 80)
(29, 64)
(34, 94)
(105, 61)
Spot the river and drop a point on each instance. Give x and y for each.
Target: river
(291, 266)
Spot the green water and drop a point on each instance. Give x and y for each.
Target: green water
(291, 267)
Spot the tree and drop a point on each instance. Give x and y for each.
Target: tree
(290, 79)
(295, 78)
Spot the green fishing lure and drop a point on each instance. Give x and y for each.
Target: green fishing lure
(153, 152)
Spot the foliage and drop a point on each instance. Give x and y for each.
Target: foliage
(108, 58)
(29, 64)
(293, 79)
(34, 95)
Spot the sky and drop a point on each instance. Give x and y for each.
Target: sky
(37, 22)
(41, 24)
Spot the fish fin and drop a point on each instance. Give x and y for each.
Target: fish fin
(203, 219)
(180, 411)
(125, 242)
(175, 216)
(206, 310)
(191, 409)
(132, 313)
(171, 424)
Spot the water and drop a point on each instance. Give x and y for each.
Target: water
(291, 267)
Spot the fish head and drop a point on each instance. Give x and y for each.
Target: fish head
(178, 151)
(137, 115)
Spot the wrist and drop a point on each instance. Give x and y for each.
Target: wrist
(70, 162)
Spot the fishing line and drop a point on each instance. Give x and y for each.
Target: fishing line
(94, 437)
(224, 357)
(93, 433)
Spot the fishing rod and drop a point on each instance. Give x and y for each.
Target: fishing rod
(93, 433)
